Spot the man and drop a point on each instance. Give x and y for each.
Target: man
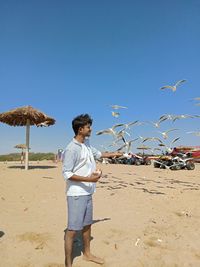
(79, 171)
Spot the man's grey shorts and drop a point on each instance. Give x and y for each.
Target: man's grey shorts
(80, 212)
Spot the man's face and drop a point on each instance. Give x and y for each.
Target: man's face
(86, 130)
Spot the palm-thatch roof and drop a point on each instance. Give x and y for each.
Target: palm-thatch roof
(19, 117)
(26, 116)
(21, 146)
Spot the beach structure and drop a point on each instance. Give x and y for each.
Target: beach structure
(26, 116)
(143, 148)
(22, 147)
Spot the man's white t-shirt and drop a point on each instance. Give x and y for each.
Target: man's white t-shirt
(78, 159)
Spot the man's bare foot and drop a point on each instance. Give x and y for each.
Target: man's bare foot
(93, 259)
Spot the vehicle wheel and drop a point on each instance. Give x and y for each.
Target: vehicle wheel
(129, 162)
(190, 165)
(137, 162)
(162, 166)
(176, 168)
(148, 162)
(156, 165)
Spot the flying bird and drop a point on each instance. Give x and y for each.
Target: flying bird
(173, 87)
(109, 130)
(178, 117)
(156, 124)
(165, 134)
(151, 139)
(117, 107)
(195, 133)
(115, 114)
(127, 145)
(166, 117)
(45, 124)
(169, 148)
(127, 125)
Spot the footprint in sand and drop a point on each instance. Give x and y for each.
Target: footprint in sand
(38, 240)
(155, 242)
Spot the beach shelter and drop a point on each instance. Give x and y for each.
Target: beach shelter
(22, 147)
(143, 147)
(26, 116)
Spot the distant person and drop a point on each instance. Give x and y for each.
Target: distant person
(80, 174)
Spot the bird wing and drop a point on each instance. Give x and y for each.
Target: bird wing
(179, 82)
(132, 123)
(175, 140)
(117, 107)
(115, 114)
(122, 147)
(117, 125)
(145, 139)
(170, 130)
(166, 86)
(106, 131)
(176, 118)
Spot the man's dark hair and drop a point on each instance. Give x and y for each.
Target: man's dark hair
(81, 121)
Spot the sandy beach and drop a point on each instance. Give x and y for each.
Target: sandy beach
(143, 217)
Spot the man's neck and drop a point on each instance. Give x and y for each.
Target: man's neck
(80, 138)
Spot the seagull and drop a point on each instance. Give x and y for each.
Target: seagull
(155, 124)
(115, 114)
(45, 124)
(195, 133)
(117, 107)
(169, 148)
(173, 87)
(166, 117)
(165, 134)
(127, 125)
(127, 145)
(109, 130)
(182, 117)
(120, 135)
(151, 139)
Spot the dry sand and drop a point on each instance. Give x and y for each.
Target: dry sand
(143, 217)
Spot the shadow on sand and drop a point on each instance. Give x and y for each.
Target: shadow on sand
(33, 167)
(1, 234)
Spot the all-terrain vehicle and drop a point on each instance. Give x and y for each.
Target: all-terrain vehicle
(178, 162)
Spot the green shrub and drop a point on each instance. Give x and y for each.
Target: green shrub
(32, 156)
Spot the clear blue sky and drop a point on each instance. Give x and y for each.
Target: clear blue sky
(71, 57)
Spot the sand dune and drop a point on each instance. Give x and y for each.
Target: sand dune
(142, 217)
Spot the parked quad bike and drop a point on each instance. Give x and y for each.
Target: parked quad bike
(132, 159)
(180, 161)
(138, 160)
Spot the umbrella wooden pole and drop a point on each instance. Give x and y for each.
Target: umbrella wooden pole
(27, 143)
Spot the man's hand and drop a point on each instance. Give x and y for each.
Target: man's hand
(118, 154)
(95, 176)
(111, 154)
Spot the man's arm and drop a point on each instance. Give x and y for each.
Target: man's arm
(69, 158)
(111, 154)
(94, 177)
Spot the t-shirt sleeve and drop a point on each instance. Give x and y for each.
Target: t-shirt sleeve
(69, 159)
(96, 153)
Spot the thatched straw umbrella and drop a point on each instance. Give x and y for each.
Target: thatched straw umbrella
(143, 148)
(26, 116)
(22, 147)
